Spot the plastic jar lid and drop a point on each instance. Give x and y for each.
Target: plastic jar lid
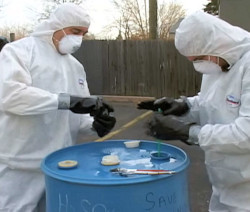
(66, 164)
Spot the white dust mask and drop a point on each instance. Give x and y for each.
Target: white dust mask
(70, 43)
(207, 67)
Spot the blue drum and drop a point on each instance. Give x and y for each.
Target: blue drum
(77, 180)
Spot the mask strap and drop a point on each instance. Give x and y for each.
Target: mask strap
(64, 32)
(218, 61)
(58, 40)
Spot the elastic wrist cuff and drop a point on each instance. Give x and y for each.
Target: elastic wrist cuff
(194, 131)
(185, 99)
(63, 101)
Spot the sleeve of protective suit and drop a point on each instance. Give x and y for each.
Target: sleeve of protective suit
(234, 137)
(16, 91)
(193, 113)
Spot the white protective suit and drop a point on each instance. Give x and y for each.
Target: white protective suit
(33, 74)
(222, 108)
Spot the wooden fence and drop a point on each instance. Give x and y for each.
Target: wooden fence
(137, 68)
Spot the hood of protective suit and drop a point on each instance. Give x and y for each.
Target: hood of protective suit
(204, 34)
(66, 15)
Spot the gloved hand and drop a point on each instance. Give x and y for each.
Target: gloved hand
(169, 127)
(85, 105)
(167, 106)
(95, 106)
(148, 105)
(103, 120)
(78, 104)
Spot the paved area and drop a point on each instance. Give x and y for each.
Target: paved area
(131, 125)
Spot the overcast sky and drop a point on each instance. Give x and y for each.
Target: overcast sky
(101, 11)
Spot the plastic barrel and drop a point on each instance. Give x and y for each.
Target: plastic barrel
(92, 187)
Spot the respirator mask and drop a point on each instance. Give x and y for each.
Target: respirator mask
(207, 66)
(69, 43)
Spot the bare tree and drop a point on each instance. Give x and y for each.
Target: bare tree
(168, 15)
(20, 31)
(50, 6)
(6, 29)
(133, 20)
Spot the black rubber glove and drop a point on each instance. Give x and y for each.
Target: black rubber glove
(169, 127)
(103, 120)
(147, 105)
(85, 105)
(167, 106)
(170, 106)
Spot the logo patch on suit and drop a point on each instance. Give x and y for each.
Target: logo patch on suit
(233, 101)
(81, 82)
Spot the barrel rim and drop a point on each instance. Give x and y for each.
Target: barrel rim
(120, 181)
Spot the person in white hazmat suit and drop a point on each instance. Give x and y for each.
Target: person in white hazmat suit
(45, 103)
(218, 118)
